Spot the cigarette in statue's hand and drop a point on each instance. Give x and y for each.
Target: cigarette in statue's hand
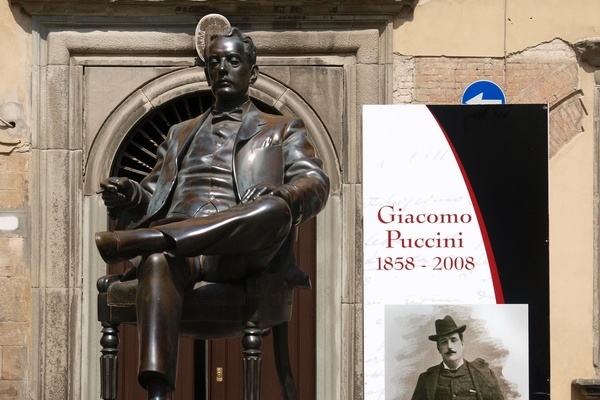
(108, 189)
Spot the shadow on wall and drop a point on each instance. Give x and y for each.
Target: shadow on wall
(20, 17)
(406, 14)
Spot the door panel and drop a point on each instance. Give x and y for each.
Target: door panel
(227, 354)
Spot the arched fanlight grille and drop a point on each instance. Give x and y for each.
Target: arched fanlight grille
(137, 155)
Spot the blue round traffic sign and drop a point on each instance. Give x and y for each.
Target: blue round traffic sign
(483, 92)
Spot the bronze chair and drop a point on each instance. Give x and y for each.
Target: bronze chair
(210, 311)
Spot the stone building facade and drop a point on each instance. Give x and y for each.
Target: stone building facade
(75, 72)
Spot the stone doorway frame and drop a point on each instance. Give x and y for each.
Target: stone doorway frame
(66, 212)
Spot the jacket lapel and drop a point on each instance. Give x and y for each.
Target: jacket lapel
(476, 378)
(251, 124)
(432, 380)
(187, 134)
(175, 152)
(250, 127)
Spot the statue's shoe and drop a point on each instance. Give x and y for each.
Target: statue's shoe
(167, 396)
(297, 278)
(124, 245)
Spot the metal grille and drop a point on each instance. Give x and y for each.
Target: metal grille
(137, 155)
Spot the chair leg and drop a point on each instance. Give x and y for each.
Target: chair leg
(251, 342)
(109, 362)
(282, 361)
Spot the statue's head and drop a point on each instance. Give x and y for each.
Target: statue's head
(233, 32)
(230, 68)
(229, 62)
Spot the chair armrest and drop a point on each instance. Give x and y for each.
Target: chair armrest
(107, 280)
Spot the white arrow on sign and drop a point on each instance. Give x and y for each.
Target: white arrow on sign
(480, 100)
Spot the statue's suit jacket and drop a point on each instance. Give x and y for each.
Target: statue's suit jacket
(484, 380)
(269, 149)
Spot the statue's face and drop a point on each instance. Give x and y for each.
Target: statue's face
(228, 71)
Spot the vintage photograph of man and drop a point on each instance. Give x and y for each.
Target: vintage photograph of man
(456, 352)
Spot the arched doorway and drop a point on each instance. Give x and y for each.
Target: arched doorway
(210, 370)
(75, 136)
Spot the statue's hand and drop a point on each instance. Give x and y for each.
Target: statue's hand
(257, 191)
(117, 191)
(287, 192)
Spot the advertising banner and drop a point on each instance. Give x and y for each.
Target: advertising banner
(455, 230)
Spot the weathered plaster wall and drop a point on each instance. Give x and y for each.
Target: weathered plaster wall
(15, 283)
(477, 28)
(459, 28)
(525, 47)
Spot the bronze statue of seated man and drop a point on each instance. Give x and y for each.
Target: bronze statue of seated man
(226, 192)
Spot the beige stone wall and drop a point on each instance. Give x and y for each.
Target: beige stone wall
(492, 28)
(525, 47)
(15, 283)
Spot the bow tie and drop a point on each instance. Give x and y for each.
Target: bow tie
(232, 115)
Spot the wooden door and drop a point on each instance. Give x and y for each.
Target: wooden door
(227, 354)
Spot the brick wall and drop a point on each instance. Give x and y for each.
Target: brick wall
(547, 73)
(15, 290)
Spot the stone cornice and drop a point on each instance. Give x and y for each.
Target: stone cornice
(590, 388)
(276, 9)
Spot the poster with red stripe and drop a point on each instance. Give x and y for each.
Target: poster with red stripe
(455, 223)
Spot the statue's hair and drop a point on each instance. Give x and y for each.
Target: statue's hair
(249, 48)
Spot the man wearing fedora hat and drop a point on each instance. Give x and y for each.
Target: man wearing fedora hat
(456, 378)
